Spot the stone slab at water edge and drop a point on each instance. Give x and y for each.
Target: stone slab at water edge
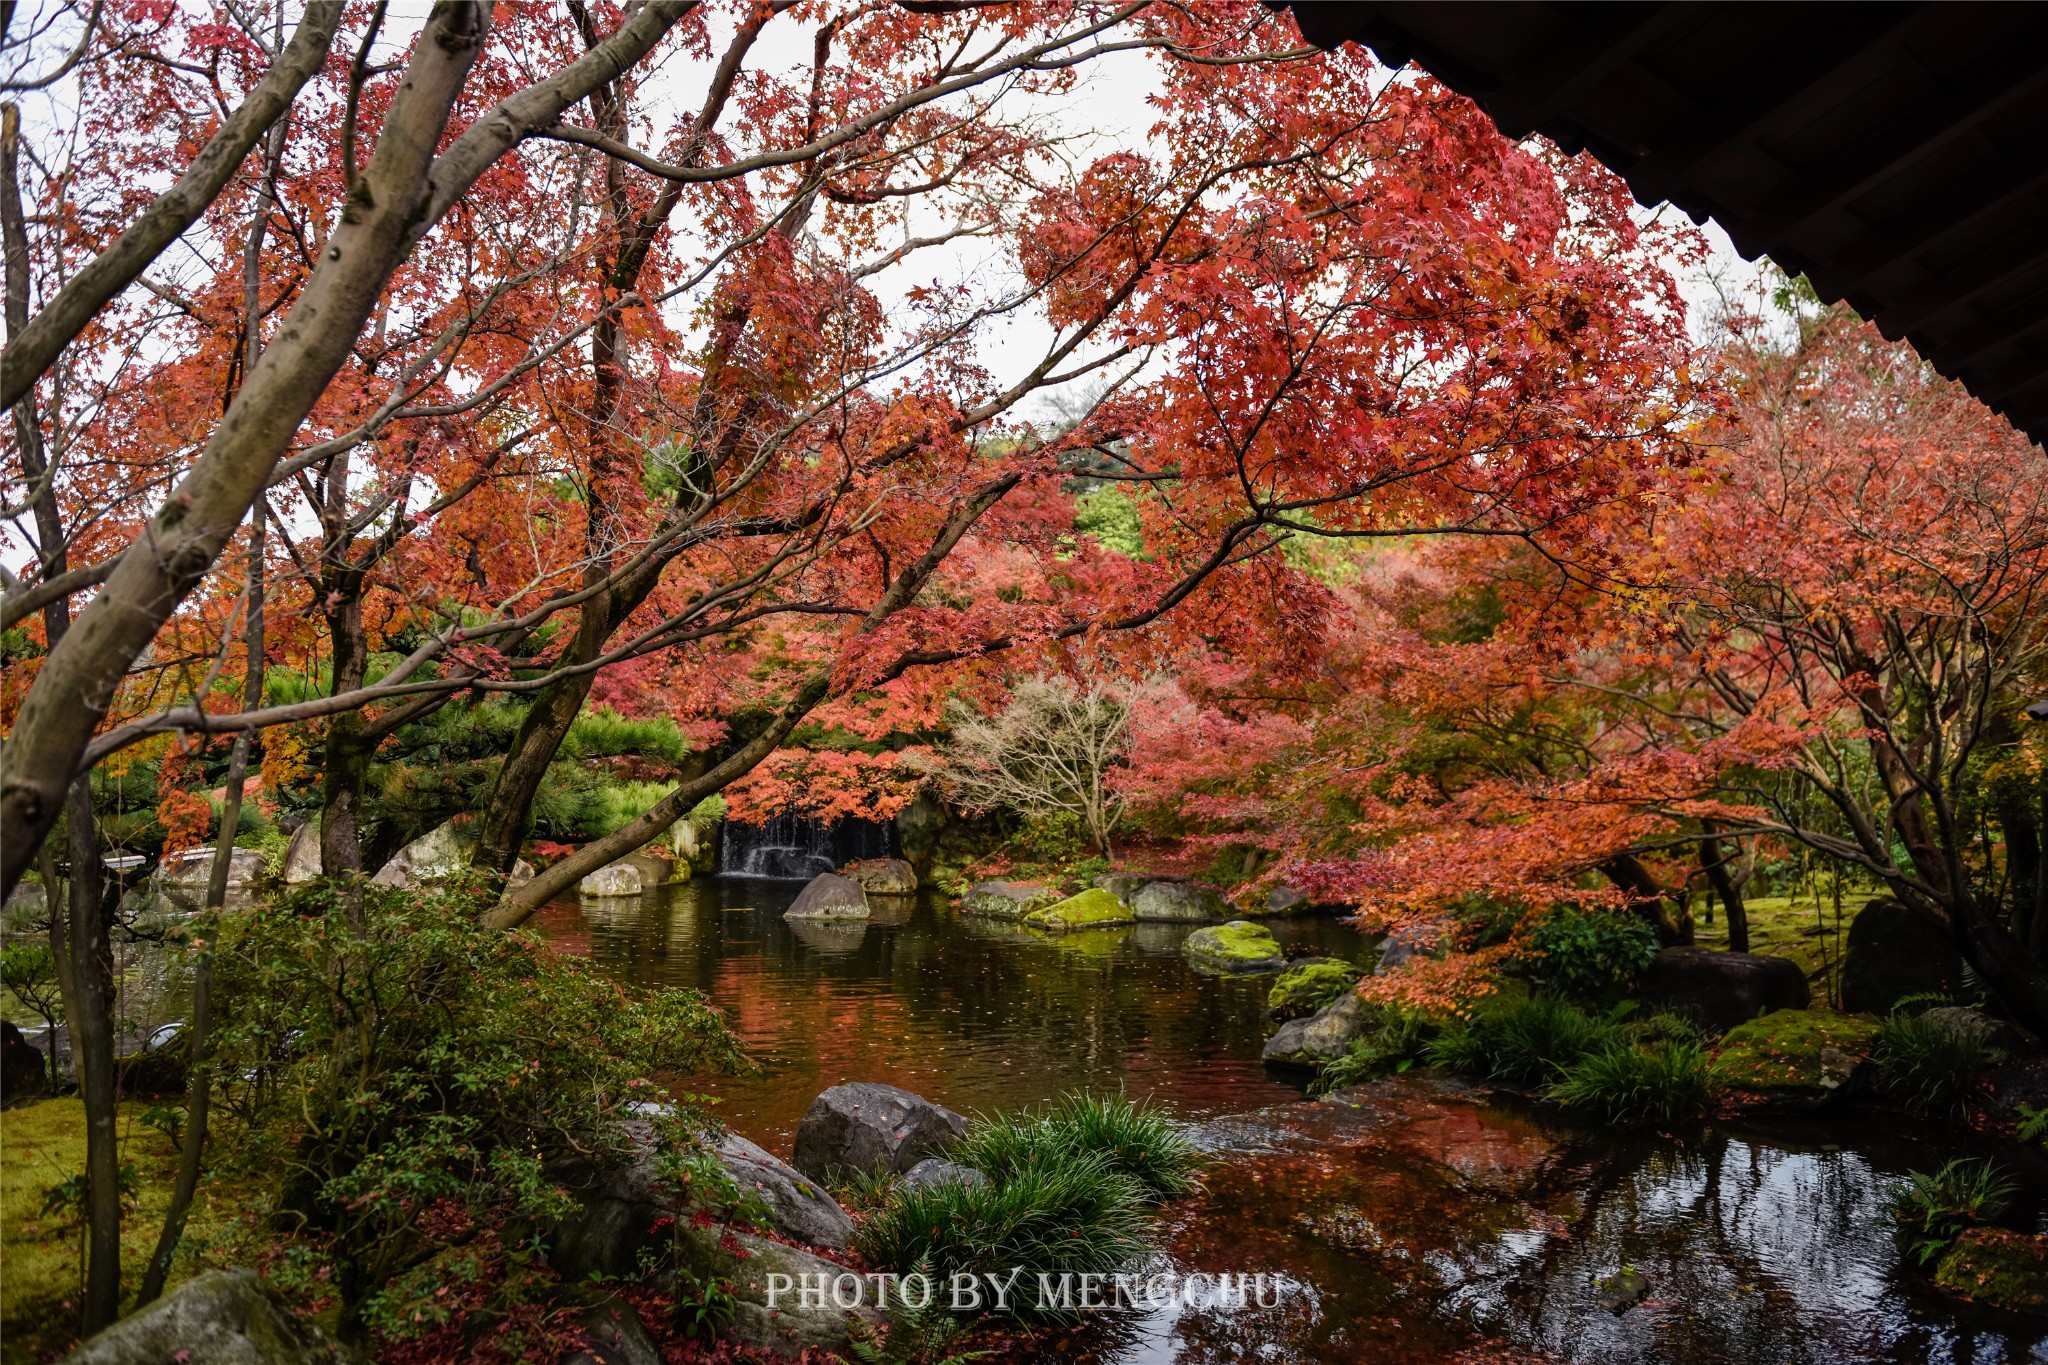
(882, 876)
(1095, 909)
(1309, 1043)
(615, 879)
(1006, 900)
(1239, 948)
(1308, 985)
(869, 1128)
(829, 896)
(1179, 902)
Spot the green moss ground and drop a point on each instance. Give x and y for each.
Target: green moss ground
(1308, 986)
(1790, 927)
(1782, 1050)
(42, 1145)
(1999, 1267)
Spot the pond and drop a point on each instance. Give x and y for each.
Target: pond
(1417, 1220)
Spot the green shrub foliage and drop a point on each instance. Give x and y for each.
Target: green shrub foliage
(1928, 1064)
(1590, 956)
(401, 1078)
(1933, 1208)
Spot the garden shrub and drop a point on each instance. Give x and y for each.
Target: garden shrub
(1933, 1208)
(1527, 1041)
(1928, 1064)
(1623, 1083)
(405, 1081)
(1590, 956)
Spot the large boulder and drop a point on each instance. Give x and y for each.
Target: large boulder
(1894, 951)
(768, 1311)
(1309, 984)
(1285, 900)
(829, 896)
(1239, 948)
(613, 1334)
(1721, 990)
(1092, 909)
(1795, 1060)
(1006, 900)
(1308, 1043)
(796, 1207)
(867, 1127)
(1183, 902)
(438, 856)
(882, 876)
(302, 854)
(1122, 885)
(181, 879)
(24, 1076)
(613, 880)
(655, 868)
(919, 826)
(219, 1317)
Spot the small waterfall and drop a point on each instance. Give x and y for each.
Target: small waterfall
(796, 848)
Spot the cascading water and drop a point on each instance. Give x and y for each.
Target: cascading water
(792, 847)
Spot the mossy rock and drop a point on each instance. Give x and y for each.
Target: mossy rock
(1006, 900)
(1239, 948)
(1093, 909)
(1795, 1059)
(1309, 985)
(1998, 1267)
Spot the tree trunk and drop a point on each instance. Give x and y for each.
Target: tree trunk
(92, 1053)
(1671, 920)
(1714, 861)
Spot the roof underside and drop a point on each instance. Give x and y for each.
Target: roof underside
(1895, 154)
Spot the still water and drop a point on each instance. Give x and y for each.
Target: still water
(1418, 1220)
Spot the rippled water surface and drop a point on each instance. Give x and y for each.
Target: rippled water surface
(1421, 1220)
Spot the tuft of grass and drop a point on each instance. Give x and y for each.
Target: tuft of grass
(1935, 1207)
(1388, 1049)
(1530, 1041)
(1624, 1084)
(1061, 1213)
(1929, 1065)
(1131, 1139)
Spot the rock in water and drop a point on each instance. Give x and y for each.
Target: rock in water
(934, 1171)
(181, 879)
(829, 896)
(1721, 990)
(1306, 1044)
(1094, 909)
(615, 879)
(1307, 986)
(23, 1074)
(1006, 900)
(2000, 1267)
(220, 1317)
(1895, 951)
(1286, 900)
(1239, 948)
(882, 876)
(1622, 1290)
(797, 1207)
(302, 854)
(867, 1127)
(1178, 902)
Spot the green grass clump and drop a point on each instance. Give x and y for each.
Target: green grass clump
(1935, 1207)
(1133, 1140)
(1070, 1191)
(1529, 1041)
(1928, 1064)
(1064, 1214)
(1389, 1048)
(1623, 1083)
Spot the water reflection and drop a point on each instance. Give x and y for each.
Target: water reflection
(1427, 1221)
(977, 1014)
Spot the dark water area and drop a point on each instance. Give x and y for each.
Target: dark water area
(1420, 1219)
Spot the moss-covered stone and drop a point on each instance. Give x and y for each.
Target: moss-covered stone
(1239, 948)
(1795, 1059)
(1092, 909)
(1996, 1266)
(1307, 986)
(1006, 900)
